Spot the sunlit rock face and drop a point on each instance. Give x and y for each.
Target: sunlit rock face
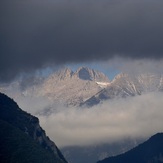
(84, 87)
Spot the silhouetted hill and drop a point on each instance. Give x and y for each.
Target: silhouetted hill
(22, 140)
(150, 151)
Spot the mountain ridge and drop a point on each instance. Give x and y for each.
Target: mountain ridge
(25, 125)
(124, 85)
(149, 151)
(71, 88)
(87, 87)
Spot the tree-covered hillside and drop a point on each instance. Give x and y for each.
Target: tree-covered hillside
(22, 140)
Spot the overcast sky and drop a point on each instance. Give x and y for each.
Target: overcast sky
(120, 35)
(35, 34)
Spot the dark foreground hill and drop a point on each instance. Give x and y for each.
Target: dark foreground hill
(150, 151)
(22, 140)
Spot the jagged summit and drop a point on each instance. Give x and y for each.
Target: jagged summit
(86, 73)
(119, 76)
(72, 88)
(125, 85)
(63, 73)
(82, 73)
(88, 86)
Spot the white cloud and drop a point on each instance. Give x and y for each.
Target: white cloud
(112, 121)
(135, 67)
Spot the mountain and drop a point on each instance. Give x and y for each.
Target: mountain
(73, 88)
(63, 86)
(93, 153)
(21, 137)
(124, 85)
(150, 151)
(86, 73)
(84, 87)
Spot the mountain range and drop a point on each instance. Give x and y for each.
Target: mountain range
(124, 85)
(22, 140)
(73, 88)
(85, 87)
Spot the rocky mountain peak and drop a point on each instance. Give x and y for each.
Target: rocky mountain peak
(86, 73)
(121, 75)
(64, 73)
(82, 73)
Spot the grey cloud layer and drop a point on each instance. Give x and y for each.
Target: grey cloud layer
(111, 121)
(36, 33)
(136, 117)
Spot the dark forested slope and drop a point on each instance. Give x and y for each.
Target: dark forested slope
(22, 140)
(150, 151)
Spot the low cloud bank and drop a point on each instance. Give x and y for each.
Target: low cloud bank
(133, 67)
(135, 117)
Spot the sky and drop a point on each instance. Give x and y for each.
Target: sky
(37, 34)
(40, 36)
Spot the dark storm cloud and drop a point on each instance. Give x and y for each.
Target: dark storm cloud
(36, 33)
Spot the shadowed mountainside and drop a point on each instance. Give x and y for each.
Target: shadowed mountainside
(150, 151)
(22, 140)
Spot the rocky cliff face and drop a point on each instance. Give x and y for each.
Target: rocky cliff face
(124, 85)
(72, 88)
(85, 73)
(28, 124)
(64, 86)
(86, 87)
